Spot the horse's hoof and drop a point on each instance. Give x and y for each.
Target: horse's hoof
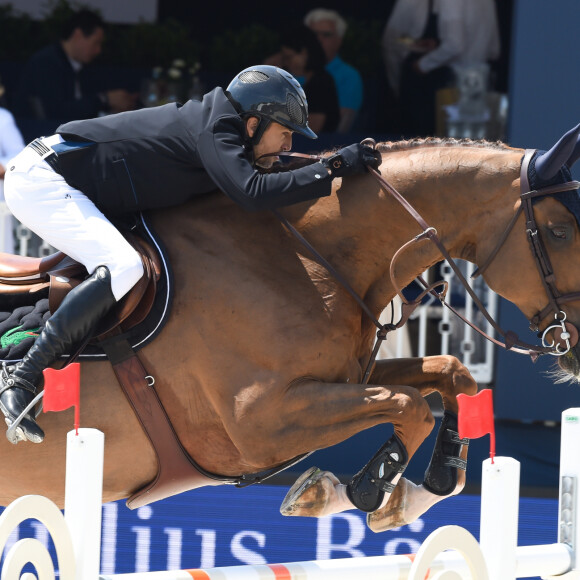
(407, 503)
(310, 495)
(392, 515)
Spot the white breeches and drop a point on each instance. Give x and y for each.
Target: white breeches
(63, 216)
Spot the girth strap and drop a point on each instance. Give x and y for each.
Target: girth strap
(177, 472)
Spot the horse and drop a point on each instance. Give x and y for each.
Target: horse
(263, 356)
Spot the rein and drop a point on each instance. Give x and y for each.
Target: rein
(567, 332)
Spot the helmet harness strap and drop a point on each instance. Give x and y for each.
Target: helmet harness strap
(261, 127)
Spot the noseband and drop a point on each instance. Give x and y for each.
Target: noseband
(565, 334)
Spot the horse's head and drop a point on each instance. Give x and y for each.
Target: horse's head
(551, 205)
(540, 272)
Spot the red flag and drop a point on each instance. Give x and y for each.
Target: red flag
(475, 418)
(62, 390)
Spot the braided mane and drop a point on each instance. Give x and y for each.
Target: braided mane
(387, 146)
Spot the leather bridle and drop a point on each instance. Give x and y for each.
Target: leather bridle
(567, 333)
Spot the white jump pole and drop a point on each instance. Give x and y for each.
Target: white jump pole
(83, 499)
(545, 561)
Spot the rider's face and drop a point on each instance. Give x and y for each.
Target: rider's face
(275, 138)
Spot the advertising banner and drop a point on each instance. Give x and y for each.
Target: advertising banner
(224, 526)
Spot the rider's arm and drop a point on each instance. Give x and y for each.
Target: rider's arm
(223, 156)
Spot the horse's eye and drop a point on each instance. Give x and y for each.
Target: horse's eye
(560, 233)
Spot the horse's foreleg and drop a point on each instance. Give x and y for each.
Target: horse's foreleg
(445, 475)
(443, 373)
(407, 503)
(319, 493)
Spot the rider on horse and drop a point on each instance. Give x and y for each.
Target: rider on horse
(62, 187)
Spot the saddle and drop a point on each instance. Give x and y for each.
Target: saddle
(59, 274)
(56, 275)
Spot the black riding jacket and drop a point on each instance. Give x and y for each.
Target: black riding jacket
(164, 156)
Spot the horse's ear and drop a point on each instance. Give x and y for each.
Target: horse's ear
(548, 164)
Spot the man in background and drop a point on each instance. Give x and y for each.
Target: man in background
(330, 27)
(54, 83)
(424, 42)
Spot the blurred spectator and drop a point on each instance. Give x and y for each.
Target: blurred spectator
(11, 143)
(301, 55)
(422, 43)
(330, 27)
(53, 83)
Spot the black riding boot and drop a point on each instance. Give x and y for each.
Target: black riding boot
(74, 320)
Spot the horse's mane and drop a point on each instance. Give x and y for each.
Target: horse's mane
(386, 146)
(389, 146)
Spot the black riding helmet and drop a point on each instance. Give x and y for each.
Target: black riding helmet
(270, 94)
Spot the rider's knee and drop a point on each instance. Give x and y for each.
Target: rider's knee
(125, 273)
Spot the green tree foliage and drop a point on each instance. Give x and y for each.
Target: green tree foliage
(14, 28)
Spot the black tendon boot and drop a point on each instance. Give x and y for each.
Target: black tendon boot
(441, 475)
(367, 488)
(75, 319)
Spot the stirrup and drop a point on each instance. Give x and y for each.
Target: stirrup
(14, 433)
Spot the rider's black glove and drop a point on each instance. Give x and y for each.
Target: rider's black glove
(351, 160)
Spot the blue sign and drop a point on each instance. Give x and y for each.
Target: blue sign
(223, 526)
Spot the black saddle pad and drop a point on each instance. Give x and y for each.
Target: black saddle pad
(23, 316)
